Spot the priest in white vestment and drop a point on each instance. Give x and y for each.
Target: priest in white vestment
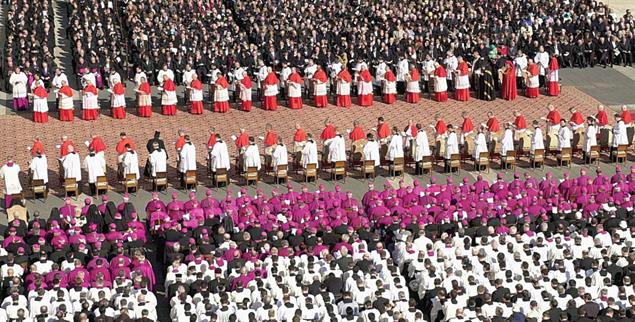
(279, 155)
(187, 158)
(39, 168)
(251, 157)
(309, 153)
(219, 156)
(158, 160)
(130, 162)
(371, 150)
(94, 165)
(337, 148)
(72, 166)
(507, 140)
(10, 173)
(395, 146)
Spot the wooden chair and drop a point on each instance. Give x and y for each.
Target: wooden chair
(160, 182)
(251, 175)
(368, 169)
(130, 181)
(397, 166)
(594, 155)
(537, 158)
(221, 176)
(70, 185)
(190, 179)
(454, 162)
(310, 172)
(482, 162)
(281, 173)
(508, 160)
(39, 188)
(565, 156)
(101, 185)
(619, 154)
(424, 165)
(339, 169)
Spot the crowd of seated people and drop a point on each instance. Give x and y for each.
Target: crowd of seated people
(529, 248)
(535, 248)
(80, 264)
(30, 39)
(96, 40)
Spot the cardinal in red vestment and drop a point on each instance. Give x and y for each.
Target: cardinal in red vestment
(602, 117)
(357, 133)
(389, 87)
(65, 144)
(196, 97)
(38, 147)
(553, 117)
(245, 93)
(144, 99)
(462, 91)
(440, 84)
(627, 118)
(577, 119)
(519, 122)
(221, 95)
(493, 125)
(294, 90)
(299, 135)
(365, 88)
(40, 105)
(169, 100)
(271, 91)
(440, 128)
(383, 129)
(66, 103)
(320, 79)
(509, 82)
(553, 78)
(413, 89)
(467, 127)
(328, 132)
(533, 83)
(343, 90)
(118, 101)
(242, 140)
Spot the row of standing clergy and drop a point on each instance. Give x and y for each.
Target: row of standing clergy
(221, 97)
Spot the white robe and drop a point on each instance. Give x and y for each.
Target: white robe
(279, 156)
(196, 95)
(309, 154)
(66, 102)
(364, 88)
(220, 156)
(168, 97)
(40, 169)
(542, 59)
(480, 145)
(58, 80)
(521, 64)
(620, 136)
(94, 165)
(131, 164)
(40, 104)
(389, 87)
(245, 93)
(221, 94)
(337, 149)
(159, 161)
(187, 158)
(451, 64)
(89, 101)
(11, 176)
(319, 89)
(451, 145)
(402, 70)
(590, 138)
(188, 76)
(440, 84)
(537, 140)
(252, 157)
(371, 152)
(18, 82)
(343, 88)
(294, 89)
(72, 166)
(116, 78)
(507, 142)
(395, 148)
(564, 137)
(423, 146)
